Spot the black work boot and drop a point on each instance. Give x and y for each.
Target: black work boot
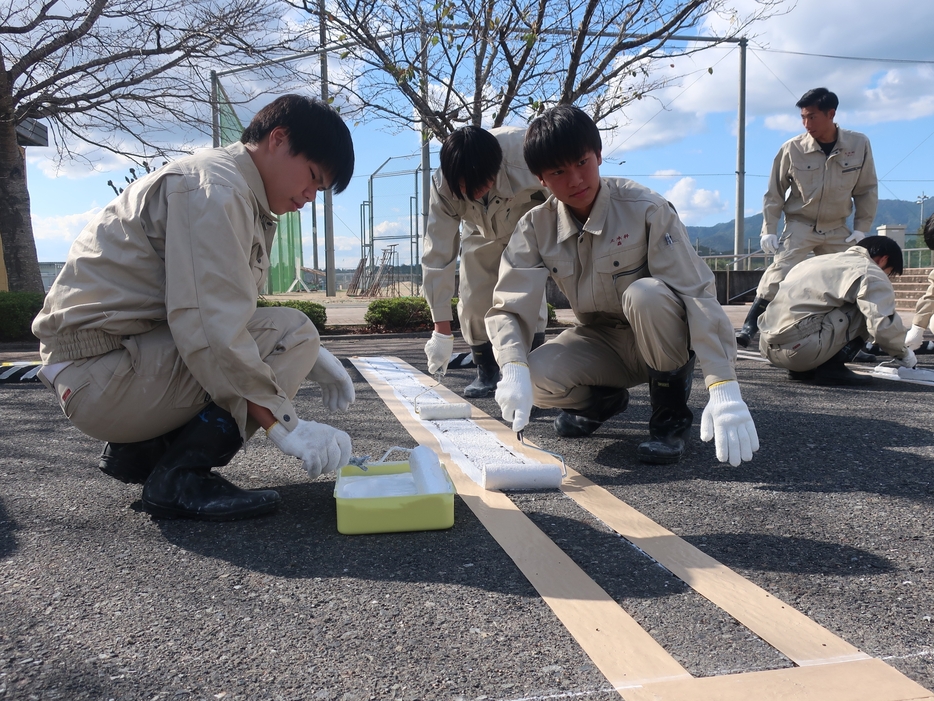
(605, 402)
(537, 340)
(671, 417)
(132, 463)
(182, 484)
(751, 326)
(487, 372)
(835, 373)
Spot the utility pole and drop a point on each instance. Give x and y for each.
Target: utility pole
(921, 198)
(739, 233)
(330, 273)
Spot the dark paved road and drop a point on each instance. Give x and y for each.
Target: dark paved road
(98, 601)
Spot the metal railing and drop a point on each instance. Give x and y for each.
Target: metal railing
(759, 260)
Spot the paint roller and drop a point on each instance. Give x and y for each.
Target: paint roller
(519, 476)
(890, 371)
(442, 411)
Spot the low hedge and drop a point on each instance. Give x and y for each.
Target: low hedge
(17, 311)
(314, 311)
(413, 314)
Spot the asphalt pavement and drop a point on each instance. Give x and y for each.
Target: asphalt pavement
(99, 601)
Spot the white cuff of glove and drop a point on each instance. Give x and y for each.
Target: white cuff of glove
(855, 237)
(907, 361)
(914, 337)
(769, 243)
(514, 394)
(322, 449)
(337, 392)
(438, 350)
(727, 419)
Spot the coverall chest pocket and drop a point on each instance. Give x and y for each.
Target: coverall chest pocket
(617, 270)
(846, 172)
(808, 175)
(259, 264)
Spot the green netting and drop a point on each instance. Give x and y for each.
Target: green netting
(285, 258)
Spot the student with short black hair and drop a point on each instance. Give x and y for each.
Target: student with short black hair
(924, 307)
(150, 336)
(827, 308)
(645, 303)
(479, 194)
(818, 179)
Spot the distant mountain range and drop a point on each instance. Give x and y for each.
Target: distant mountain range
(719, 238)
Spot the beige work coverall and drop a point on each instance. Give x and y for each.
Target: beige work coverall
(821, 193)
(825, 302)
(924, 309)
(154, 314)
(639, 291)
(480, 232)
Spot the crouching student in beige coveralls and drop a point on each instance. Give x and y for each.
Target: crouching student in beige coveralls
(479, 194)
(826, 308)
(924, 308)
(150, 335)
(645, 303)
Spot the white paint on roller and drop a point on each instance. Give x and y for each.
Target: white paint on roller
(427, 471)
(470, 446)
(535, 476)
(434, 412)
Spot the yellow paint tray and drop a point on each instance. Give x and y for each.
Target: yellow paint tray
(358, 512)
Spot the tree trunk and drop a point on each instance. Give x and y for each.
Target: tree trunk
(19, 247)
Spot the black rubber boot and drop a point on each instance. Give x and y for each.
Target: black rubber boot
(182, 484)
(835, 373)
(605, 402)
(671, 417)
(132, 463)
(751, 326)
(537, 340)
(487, 372)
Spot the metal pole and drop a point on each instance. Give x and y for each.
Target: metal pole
(215, 114)
(739, 231)
(330, 276)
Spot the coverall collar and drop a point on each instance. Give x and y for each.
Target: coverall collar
(251, 174)
(596, 222)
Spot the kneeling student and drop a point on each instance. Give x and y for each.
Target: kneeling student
(826, 308)
(645, 301)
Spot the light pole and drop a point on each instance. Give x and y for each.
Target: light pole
(921, 198)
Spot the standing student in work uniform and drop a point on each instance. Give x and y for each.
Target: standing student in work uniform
(817, 180)
(645, 302)
(150, 335)
(477, 196)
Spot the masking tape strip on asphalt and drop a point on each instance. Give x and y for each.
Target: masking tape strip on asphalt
(630, 659)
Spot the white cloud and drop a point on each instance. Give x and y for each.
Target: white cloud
(61, 228)
(694, 203)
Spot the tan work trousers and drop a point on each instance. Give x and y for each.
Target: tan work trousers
(814, 340)
(144, 390)
(564, 369)
(479, 271)
(797, 242)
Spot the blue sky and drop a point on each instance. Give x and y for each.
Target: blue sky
(680, 142)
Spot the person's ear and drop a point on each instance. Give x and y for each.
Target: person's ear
(882, 261)
(600, 159)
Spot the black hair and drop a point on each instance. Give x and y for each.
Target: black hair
(821, 98)
(316, 131)
(879, 246)
(470, 156)
(561, 135)
(929, 232)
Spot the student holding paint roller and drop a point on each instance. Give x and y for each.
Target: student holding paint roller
(481, 190)
(645, 303)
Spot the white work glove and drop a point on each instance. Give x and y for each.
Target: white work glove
(439, 350)
(321, 449)
(514, 394)
(726, 418)
(337, 391)
(769, 243)
(914, 337)
(906, 361)
(855, 237)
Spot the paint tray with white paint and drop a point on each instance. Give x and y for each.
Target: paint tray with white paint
(393, 497)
